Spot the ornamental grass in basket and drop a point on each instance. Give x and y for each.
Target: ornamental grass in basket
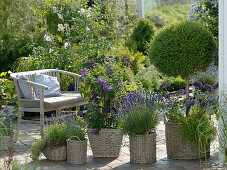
(139, 116)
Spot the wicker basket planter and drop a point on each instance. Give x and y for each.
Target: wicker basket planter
(58, 154)
(76, 151)
(143, 148)
(105, 144)
(178, 149)
(4, 142)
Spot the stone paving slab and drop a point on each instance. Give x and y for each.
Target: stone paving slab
(31, 133)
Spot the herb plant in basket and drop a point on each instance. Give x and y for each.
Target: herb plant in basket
(102, 84)
(189, 137)
(53, 146)
(138, 112)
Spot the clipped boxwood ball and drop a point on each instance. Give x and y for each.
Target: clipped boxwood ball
(182, 49)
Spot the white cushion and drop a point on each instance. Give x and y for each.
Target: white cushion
(52, 83)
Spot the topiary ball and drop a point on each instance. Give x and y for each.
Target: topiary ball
(182, 49)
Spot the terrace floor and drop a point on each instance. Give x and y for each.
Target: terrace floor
(30, 132)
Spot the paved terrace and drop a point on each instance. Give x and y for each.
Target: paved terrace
(30, 132)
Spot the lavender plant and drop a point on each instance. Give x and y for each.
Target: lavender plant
(138, 112)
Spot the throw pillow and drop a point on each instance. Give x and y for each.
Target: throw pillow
(52, 83)
(23, 85)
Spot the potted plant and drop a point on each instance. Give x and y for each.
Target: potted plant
(56, 137)
(102, 84)
(189, 137)
(53, 146)
(77, 143)
(138, 112)
(183, 49)
(6, 133)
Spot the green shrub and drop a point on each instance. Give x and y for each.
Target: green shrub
(149, 78)
(183, 49)
(137, 59)
(141, 36)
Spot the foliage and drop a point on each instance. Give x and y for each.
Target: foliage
(59, 129)
(168, 14)
(17, 31)
(182, 49)
(197, 126)
(6, 126)
(138, 112)
(149, 77)
(73, 30)
(205, 11)
(223, 131)
(37, 147)
(176, 83)
(137, 59)
(141, 36)
(210, 77)
(103, 84)
(7, 89)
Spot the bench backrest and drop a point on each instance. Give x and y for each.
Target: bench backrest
(31, 77)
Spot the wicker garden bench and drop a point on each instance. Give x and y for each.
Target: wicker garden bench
(31, 103)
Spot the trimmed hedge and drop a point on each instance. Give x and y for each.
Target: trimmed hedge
(182, 49)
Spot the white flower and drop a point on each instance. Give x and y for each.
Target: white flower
(60, 16)
(66, 45)
(61, 28)
(87, 29)
(51, 50)
(47, 38)
(55, 9)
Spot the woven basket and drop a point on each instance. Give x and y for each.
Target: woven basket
(105, 144)
(4, 142)
(143, 148)
(76, 151)
(58, 154)
(178, 149)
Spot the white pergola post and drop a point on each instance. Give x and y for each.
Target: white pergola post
(222, 65)
(140, 6)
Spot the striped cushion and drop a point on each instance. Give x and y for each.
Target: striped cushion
(52, 83)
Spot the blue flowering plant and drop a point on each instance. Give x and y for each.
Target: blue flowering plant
(197, 125)
(138, 112)
(102, 85)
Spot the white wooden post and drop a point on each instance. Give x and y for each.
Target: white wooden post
(140, 6)
(222, 65)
